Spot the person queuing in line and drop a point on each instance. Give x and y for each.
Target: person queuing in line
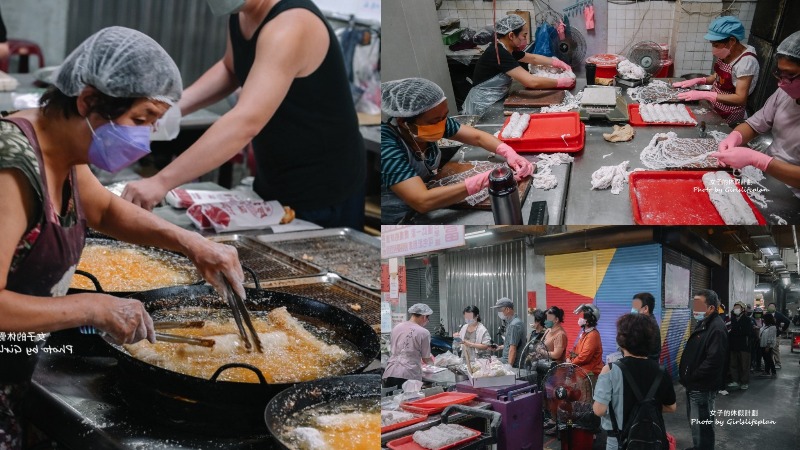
(410, 344)
(588, 351)
(614, 390)
(475, 338)
(735, 71)
(644, 303)
(410, 156)
(105, 98)
(295, 106)
(780, 114)
(702, 367)
(740, 339)
(782, 323)
(504, 61)
(514, 340)
(766, 341)
(539, 330)
(556, 339)
(757, 355)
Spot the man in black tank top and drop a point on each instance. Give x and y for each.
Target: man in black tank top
(295, 107)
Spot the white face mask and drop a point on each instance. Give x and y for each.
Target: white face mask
(469, 320)
(737, 311)
(581, 322)
(501, 315)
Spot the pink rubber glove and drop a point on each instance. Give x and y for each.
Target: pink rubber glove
(477, 183)
(732, 140)
(565, 83)
(738, 157)
(560, 29)
(588, 15)
(689, 83)
(559, 64)
(521, 166)
(698, 95)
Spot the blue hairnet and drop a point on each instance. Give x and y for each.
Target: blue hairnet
(410, 97)
(508, 24)
(790, 46)
(121, 62)
(725, 27)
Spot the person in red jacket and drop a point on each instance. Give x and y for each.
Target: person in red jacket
(588, 351)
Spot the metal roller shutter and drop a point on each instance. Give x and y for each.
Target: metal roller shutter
(418, 290)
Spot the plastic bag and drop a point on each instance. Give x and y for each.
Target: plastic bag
(543, 33)
(484, 36)
(447, 359)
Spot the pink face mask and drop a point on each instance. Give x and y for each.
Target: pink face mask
(720, 53)
(791, 87)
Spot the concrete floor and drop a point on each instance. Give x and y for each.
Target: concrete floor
(776, 400)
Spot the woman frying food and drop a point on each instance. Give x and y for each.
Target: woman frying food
(410, 157)
(106, 97)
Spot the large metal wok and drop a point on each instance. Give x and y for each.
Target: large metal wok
(313, 393)
(211, 406)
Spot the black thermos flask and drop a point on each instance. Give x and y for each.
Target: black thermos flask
(591, 70)
(504, 197)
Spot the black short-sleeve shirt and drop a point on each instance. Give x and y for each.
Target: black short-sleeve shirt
(487, 66)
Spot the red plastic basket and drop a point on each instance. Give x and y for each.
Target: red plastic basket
(637, 121)
(398, 425)
(544, 134)
(407, 442)
(675, 198)
(437, 403)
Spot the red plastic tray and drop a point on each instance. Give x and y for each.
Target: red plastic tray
(398, 425)
(437, 403)
(637, 121)
(544, 133)
(407, 442)
(671, 198)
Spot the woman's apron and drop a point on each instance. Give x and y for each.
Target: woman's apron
(393, 208)
(46, 271)
(485, 94)
(732, 114)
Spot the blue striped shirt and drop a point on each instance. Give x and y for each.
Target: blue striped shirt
(395, 167)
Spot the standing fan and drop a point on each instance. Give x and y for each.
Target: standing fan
(648, 55)
(568, 398)
(571, 49)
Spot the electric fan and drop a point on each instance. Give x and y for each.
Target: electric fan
(568, 399)
(571, 49)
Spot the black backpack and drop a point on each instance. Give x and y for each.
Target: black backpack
(644, 428)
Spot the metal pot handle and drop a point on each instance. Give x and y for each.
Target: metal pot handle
(92, 278)
(253, 275)
(225, 367)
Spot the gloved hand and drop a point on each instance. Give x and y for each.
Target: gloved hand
(738, 157)
(588, 15)
(689, 83)
(521, 166)
(559, 64)
(732, 140)
(698, 95)
(477, 183)
(565, 83)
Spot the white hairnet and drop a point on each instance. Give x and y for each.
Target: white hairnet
(790, 46)
(121, 62)
(421, 309)
(508, 24)
(410, 97)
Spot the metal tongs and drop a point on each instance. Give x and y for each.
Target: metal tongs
(177, 339)
(242, 318)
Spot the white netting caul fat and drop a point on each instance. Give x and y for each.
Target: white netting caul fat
(544, 178)
(441, 436)
(550, 72)
(613, 177)
(569, 103)
(630, 71)
(727, 199)
(477, 168)
(656, 91)
(668, 151)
